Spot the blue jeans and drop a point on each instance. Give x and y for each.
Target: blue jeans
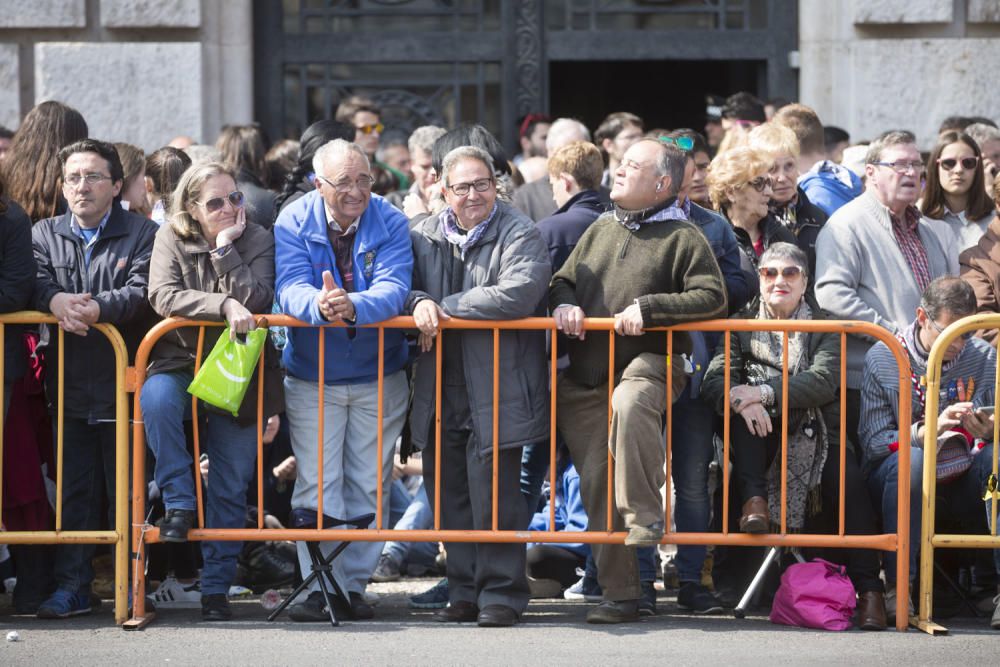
(691, 454)
(960, 499)
(410, 512)
(232, 451)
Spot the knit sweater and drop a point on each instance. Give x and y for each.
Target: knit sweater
(666, 267)
(861, 273)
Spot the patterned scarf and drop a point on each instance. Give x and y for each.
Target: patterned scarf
(632, 220)
(456, 236)
(807, 435)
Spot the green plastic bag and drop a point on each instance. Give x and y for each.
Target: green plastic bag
(223, 378)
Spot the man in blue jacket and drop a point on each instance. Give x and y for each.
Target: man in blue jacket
(343, 256)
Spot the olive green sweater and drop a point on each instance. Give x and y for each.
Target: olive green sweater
(666, 266)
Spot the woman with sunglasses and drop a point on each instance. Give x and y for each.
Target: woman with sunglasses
(207, 264)
(980, 267)
(812, 422)
(954, 198)
(740, 186)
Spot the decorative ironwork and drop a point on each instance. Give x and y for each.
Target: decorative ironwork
(530, 73)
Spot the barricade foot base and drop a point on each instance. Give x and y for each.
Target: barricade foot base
(138, 622)
(928, 626)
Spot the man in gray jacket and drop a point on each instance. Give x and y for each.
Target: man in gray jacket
(479, 259)
(876, 254)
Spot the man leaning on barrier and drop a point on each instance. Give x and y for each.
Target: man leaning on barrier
(479, 259)
(93, 266)
(964, 428)
(343, 255)
(646, 266)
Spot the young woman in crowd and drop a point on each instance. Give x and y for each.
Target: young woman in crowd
(954, 197)
(243, 148)
(164, 169)
(134, 188)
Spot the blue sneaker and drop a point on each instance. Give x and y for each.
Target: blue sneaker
(433, 598)
(63, 604)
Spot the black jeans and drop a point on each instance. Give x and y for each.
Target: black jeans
(752, 456)
(549, 561)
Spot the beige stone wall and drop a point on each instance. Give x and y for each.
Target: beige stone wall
(873, 65)
(141, 71)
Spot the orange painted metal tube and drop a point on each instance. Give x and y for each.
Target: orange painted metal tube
(496, 430)
(260, 441)
(553, 381)
(611, 458)
(784, 433)
(726, 426)
(841, 495)
(380, 453)
(321, 424)
(60, 424)
(438, 344)
(669, 427)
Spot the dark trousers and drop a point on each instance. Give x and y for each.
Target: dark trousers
(88, 474)
(480, 573)
(753, 455)
(548, 561)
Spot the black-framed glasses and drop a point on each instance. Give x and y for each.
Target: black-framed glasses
(683, 143)
(371, 127)
(218, 203)
(966, 336)
(902, 166)
(787, 272)
(761, 183)
(342, 185)
(479, 185)
(968, 163)
(92, 178)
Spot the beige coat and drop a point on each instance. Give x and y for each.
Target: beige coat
(980, 267)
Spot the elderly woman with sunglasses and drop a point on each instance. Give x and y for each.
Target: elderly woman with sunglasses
(740, 186)
(955, 200)
(207, 264)
(812, 422)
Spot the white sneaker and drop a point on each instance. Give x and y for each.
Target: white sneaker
(995, 623)
(172, 594)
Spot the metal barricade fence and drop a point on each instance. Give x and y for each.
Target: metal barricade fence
(929, 538)
(895, 542)
(119, 535)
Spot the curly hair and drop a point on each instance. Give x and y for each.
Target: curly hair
(732, 170)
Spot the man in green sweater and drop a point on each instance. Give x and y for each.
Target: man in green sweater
(645, 265)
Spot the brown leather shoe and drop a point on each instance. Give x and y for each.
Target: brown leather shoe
(458, 612)
(871, 611)
(755, 517)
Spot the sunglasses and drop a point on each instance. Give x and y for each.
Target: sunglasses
(368, 129)
(683, 143)
(968, 163)
(218, 203)
(761, 183)
(787, 272)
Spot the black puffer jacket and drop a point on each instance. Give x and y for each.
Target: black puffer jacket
(17, 278)
(117, 279)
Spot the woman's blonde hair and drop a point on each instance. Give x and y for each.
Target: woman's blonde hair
(774, 139)
(734, 169)
(187, 193)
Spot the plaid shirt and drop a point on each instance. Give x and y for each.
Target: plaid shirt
(911, 246)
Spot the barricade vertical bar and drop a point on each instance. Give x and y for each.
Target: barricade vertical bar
(438, 344)
(138, 496)
(669, 428)
(379, 444)
(195, 431)
(260, 442)
(903, 510)
(843, 432)
(996, 449)
(496, 429)
(611, 459)
(784, 432)
(60, 415)
(552, 425)
(726, 417)
(2, 420)
(121, 478)
(321, 425)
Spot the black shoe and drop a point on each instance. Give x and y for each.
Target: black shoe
(458, 612)
(310, 610)
(360, 608)
(497, 616)
(215, 607)
(695, 597)
(647, 603)
(609, 611)
(175, 525)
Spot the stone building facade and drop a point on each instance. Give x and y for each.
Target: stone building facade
(144, 71)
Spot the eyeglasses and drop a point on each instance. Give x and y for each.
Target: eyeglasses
(966, 336)
(218, 203)
(480, 185)
(683, 143)
(368, 129)
(92, 178)
(902, 166)
(968, 163)
(787, 272)
(343, 185)
(761, 183)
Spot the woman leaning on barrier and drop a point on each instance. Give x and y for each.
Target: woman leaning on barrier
(813, 424)
(207, 264)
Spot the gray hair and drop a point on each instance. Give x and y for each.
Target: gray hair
(335, 151)
(891, 138)
(786, 251)
(565, 131)
(671, 161)
(948, 293)
(982, 133)
(456, 155)
(423, 138)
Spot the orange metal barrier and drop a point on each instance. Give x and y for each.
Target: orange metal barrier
(929, 539)
(119, 535)
(897, 542)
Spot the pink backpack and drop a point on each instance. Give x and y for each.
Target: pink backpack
(816, 594)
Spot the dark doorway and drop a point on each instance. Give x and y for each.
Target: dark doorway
(664, 93)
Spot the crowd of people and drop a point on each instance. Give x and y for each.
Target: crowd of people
(766, 215)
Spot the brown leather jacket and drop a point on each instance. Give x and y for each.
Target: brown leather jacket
(980, 267)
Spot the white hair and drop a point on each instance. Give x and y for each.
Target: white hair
(336, 151)
(423, 138)
(456, 155)
(565, 131)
